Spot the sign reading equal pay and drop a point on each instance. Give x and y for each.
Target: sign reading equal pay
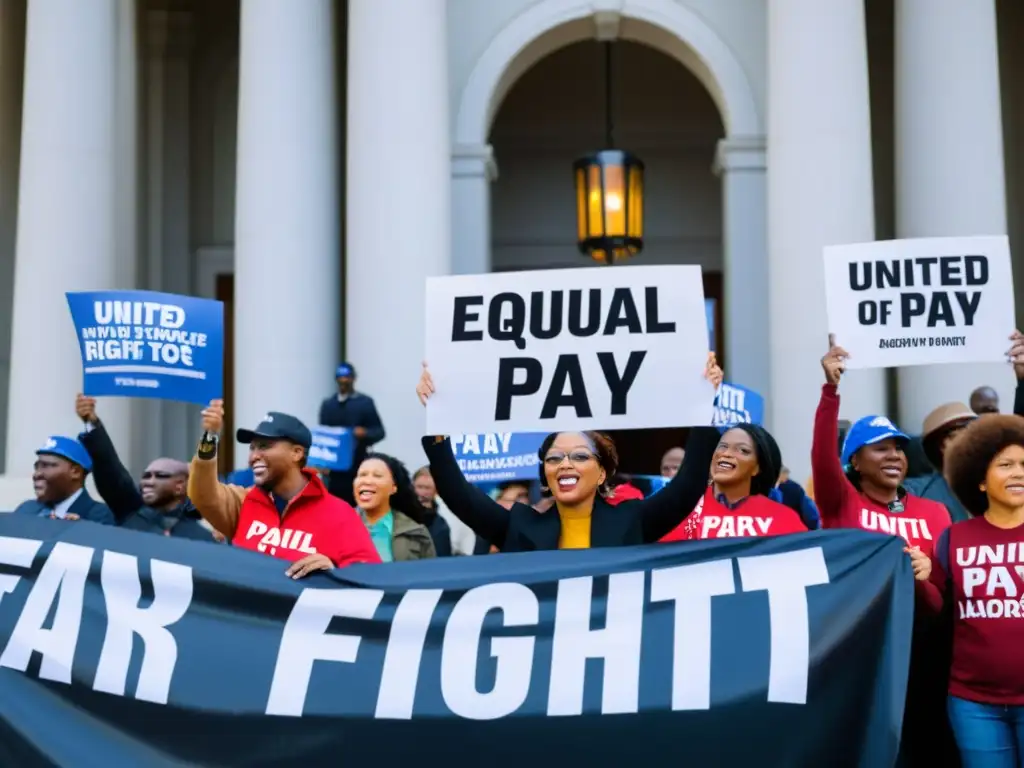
(920, 302)
(147, 344)
(569, 349)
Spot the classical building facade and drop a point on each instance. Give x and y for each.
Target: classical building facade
(311, 162)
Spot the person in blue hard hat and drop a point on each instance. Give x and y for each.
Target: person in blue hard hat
(356, 411)
(58, 478)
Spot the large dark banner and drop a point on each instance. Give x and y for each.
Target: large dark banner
(120, 648)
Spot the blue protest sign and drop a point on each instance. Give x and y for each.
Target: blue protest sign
(498, 456)
(148, 344)
(774, 651)
(737, 405)
(332, 448)
(650, 484)
(709, 314)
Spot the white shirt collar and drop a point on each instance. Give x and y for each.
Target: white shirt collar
(60, 511)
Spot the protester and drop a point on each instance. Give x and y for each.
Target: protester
(439, 519)
(574, 469)
(783, 475)
(158, 504)
(977, 577)
(984, 400)
(869, 493)
(940, 426)
(792, 494)
(671, 461)
(507, 494)
(390, 510)
(58, 479)
(322, 531)
(622, 489)
(356, 411)
(744, 471)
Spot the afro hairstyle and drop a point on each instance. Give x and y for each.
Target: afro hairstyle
(970, 453)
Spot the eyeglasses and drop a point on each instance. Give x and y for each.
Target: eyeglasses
(555, 458)
(147, 475)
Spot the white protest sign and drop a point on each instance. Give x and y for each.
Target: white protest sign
(568, 349)
(921, 302)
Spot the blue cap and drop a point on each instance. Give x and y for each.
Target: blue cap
(345, 370)
(67, 448)
(868, 431)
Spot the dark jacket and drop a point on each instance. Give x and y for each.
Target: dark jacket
(358, 410)
(439, 530)
(85, 506)
(115, 485)
(524, 529)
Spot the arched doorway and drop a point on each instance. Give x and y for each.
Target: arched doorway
(534, 101)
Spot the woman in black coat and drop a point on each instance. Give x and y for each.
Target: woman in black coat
(575, 468)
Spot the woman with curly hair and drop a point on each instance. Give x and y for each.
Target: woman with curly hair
(744, 471)
(388, 505)
(575, 468)
(978, 575)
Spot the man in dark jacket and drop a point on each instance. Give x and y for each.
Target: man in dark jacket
(158, 504)
(357, 412)
(58, 479)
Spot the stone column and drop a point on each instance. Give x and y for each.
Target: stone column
(473, 171)
(950, 177)
(67, 215)
(741, 164)
(819, 193)
(287, 241)
(398, 200)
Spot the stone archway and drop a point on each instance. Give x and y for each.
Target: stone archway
(552, 24)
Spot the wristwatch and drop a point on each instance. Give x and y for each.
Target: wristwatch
(208, 445)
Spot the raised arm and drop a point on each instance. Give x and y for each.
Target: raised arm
(471, 505)
(665, 510)
(114, 482)
(831, 486)
(219, 504)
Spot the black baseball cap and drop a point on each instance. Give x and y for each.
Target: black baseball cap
(278, 426)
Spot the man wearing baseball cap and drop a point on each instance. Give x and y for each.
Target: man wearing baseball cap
(58, 478)
(288, 513)
(356, 411)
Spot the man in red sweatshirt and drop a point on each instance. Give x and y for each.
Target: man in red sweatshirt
(288, 513)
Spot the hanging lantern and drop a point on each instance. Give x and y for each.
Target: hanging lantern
(610, 205)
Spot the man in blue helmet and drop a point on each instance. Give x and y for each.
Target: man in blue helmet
(58, 478)
(356, 411)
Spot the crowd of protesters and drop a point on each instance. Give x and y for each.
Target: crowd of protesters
(961, 517)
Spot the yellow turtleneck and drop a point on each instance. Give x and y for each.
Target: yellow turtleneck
(575, 529)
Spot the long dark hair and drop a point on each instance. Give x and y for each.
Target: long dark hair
(604, 449)
(404, 498)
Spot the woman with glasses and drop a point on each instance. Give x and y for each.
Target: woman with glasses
(575, 469)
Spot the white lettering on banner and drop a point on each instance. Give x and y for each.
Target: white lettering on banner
(19, 553)
(992, 581)
(122, 592)
(617, 644)
(491, 443)
(731, 526)
(914, 302)
(909, 529)
(305, 640)
(405, 651)
(145, 332)
(271, 539)
(588, 350)
(61, 579)
(513, 656)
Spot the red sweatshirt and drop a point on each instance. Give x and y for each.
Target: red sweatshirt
(314, 521)
(986, 577)
(843, 506)
(753, 516)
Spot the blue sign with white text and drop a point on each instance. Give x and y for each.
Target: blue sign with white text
(737, 405)
(332, 448)
(148, 344)
(498, 456)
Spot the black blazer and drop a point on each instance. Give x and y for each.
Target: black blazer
(85, 506)
(524, 529)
